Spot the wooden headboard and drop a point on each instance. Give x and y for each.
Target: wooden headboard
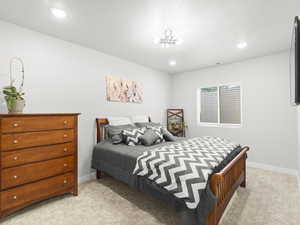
(101, 123)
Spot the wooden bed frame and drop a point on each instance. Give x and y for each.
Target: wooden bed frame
(222, 184)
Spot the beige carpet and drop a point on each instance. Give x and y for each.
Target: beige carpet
(270, 199)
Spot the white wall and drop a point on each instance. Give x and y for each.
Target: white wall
(269, 122)
(64, 77)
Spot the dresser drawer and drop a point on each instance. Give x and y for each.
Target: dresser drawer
(33, 192)
(24, 124)
(32, 172)
(32, 139)
(29, 155)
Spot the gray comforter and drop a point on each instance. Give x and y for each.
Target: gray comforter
(119, 161)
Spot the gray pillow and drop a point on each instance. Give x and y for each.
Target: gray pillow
(131, 136)
(149, 138)
(115, 132)
(158, 131)
(167, 135)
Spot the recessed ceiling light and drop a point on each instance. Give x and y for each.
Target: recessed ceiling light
(58, 13)
(172, 63)
(242, 45)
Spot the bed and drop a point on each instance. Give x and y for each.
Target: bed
(119, 161)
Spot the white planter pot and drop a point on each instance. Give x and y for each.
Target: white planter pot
(19, 106)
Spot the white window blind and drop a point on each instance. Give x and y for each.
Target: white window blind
(220, 105)
(209, 105)
(230, 104)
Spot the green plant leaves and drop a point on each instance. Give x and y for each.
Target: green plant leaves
(11, 102)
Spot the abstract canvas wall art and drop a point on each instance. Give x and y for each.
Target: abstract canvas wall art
(120, 90)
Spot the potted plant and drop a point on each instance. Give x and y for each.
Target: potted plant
(14, 100)
(13, 96)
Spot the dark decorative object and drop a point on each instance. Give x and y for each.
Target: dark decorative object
(295, 64)
(175, 122)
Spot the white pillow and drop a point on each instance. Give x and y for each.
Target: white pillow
(140, 119)
(117, 121)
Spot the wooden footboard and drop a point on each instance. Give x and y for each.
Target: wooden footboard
(224, 184)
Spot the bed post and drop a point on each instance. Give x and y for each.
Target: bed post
(100, 137)
(243, 184)
(98, 174)
(100, 128)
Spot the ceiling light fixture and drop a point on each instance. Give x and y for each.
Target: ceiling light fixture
(172, 63)
(242, 45)
(58, 13)
(168, 39)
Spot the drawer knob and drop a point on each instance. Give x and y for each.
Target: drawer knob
(16, 124)
(65, 135)
(65, 181)
(15, 177)
(15, 197)
(15, 141)
(65, 149)
(65, 122)
(65, 165)
(15, 158)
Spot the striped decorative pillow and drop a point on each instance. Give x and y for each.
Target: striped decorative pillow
(131, 137)
(158, 132)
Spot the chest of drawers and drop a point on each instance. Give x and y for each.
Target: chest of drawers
(38, 158)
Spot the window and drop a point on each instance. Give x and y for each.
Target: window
(219, 105)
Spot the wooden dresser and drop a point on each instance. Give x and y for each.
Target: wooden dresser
(38, 158)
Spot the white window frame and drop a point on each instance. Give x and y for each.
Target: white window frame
(218, 124)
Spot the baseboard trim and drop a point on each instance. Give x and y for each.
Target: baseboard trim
(298, 178)
(273, 168)
(87, 177)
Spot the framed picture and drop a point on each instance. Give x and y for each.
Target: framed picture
(175, 122)
(120, 90)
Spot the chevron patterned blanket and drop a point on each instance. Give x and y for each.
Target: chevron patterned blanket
(183, 168)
